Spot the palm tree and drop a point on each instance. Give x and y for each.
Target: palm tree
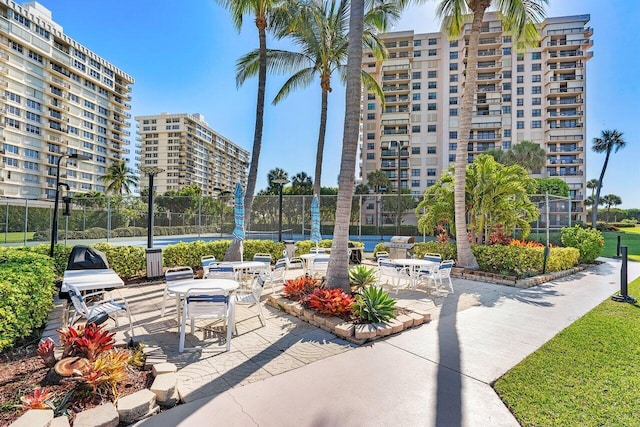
(527, 154)
(519, 19)
(608, 140)
(301, 183)
(592, 184)
(262, 10)
(377, 179)
(319, 29)
(119, 178)
(610, 200)
(338, 271)
(272, 175)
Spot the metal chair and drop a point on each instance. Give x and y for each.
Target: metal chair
(251, 296)
(171, 275)
(207, 261)
(294, 262)
(319, 265)
(444, 272)
(381, 255)
(278, 274)
(391, 271)
(110, 307)
(435, 258)
(220, 271)
(200, 303)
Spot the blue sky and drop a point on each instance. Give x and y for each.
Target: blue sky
(183, 54)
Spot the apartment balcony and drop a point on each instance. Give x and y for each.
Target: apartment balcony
(556, 161)
(562, 90)
(57, 127)
(395, 88)
(4, 57)
(565, 148)
(569, 55)
(396, 99)
(564, 173)
(483, 77)
(587, 31)
(573, 113)
(490, 41)
(486, 125)
(490, 101)
(554, 125)
(4, 83)
(484, 113)
(575, 137)
(552, 103)
(395, 77)
(488, 88)
(57, 81)
(486, 29)
(489, 65)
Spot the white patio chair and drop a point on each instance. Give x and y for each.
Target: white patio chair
(444, 272)
(318, 251)
(171, 275)
(200, 303)
(110, 307)
(277, 276)
(435, 258)
(319, 265)
(251, 296)
(294, 262)
(391, 271)
(207, 261)
(220, 271)
(381, 255)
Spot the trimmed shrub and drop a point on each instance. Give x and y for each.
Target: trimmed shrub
(304, 246)
(587, 240)
(126, 261)
(522, 261)
(26, 293)
(446, 250)
(60, 255)
(190, 253)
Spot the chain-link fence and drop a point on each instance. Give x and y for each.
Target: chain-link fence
(112, 217)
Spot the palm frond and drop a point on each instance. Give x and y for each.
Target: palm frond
(300, 79)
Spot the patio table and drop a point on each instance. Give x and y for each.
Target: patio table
(415, 266)
(180, 287)
(91, 280)
(307, 259)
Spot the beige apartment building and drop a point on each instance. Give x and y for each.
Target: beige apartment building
(537, 95)
(190, 152)
(56, 97)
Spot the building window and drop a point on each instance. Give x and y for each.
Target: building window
(453, 78)
(415, 129)
(506, 109)
(507, 133)
(416, 75)
(415, 107)
(415, 172)
(536, 124)
(453, 55)
(536, 101)
(453, 146)
(417, 42)
(536, 112)
(415, 86)
(431, 52)
(453, 66)
(452, 158)
(453, 100)
(519, 102)
(536, 90)
(432, 74)
(520, 91)
(520, 68)
(370, 156)
(431, 95)
(520, 125)
(520, 113)
(371, 116)
(536, 67)
(536, 55)
(418, 53)
(431, 106)
(453, 112)
(371, 106)
(520, 57)
(506, 86)
(431, 172)
(371, 135)
(433, 42)
(520, 79)
(506, 51)
(415, 150)
(453, 134)
(431, 150)
(432, 85)
(506, 97)
(536, 78)
(431, 128)
(416, 96)
(415, 183)
(453, 43)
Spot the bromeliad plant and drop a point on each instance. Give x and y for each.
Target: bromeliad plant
(298, 289)
(331, 302)
(373, 305)
(86, 341)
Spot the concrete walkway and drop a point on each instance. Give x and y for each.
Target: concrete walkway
(438, 375)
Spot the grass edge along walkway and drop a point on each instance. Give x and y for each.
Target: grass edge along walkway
(587, 375)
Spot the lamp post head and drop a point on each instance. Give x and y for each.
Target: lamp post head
(79, 156)
(280, 181)
(151, 170)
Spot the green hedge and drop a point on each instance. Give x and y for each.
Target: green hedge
(523, 262)
(304, 246)
(126, 261)
(588, 241)
(190, 253)
(446, 250)
(26, 293)
(101, 233)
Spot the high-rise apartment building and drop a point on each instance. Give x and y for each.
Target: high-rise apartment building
(56, 97)
(190, 152)
(536, 95)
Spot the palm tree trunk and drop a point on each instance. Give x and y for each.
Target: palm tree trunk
(321, 136)
(596, 201)
(466, 258)
(338, 271)
(257, 134)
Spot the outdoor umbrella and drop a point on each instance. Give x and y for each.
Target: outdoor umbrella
(238, 215)
(315, 220)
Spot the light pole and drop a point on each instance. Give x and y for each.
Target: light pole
(399, 207)
(151, 172)
(54, 225)
(281, 182)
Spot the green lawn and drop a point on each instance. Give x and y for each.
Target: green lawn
(587, 375)
(15, 237)
(630, 237)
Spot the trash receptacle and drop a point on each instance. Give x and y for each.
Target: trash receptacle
(399, 246)
(154, 262)
(290, 247)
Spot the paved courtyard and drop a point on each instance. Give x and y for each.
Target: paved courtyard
(259, 352)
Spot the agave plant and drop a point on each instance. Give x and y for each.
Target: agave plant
(373, 305)
(361, 276)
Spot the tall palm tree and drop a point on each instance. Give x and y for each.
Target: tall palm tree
(527, 154)
(609, 140)
(519, 18)
(262, 11)
(377, 179)
(338, 271)
(320, 30)
(119, 178)
(592, 185)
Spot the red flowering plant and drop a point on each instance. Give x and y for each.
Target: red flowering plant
(331, 302)
(298, 289)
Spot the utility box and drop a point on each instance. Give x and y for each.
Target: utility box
(400, 246)
(154, 262)
(290, 247)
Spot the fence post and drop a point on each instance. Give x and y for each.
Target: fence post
(26, 220)
(569, 200)
(623, 296)
(6, 223)
(66, 229)
(199, 215)
(108, 218)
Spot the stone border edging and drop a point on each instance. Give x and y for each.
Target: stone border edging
(499, 279)
(354, 333)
